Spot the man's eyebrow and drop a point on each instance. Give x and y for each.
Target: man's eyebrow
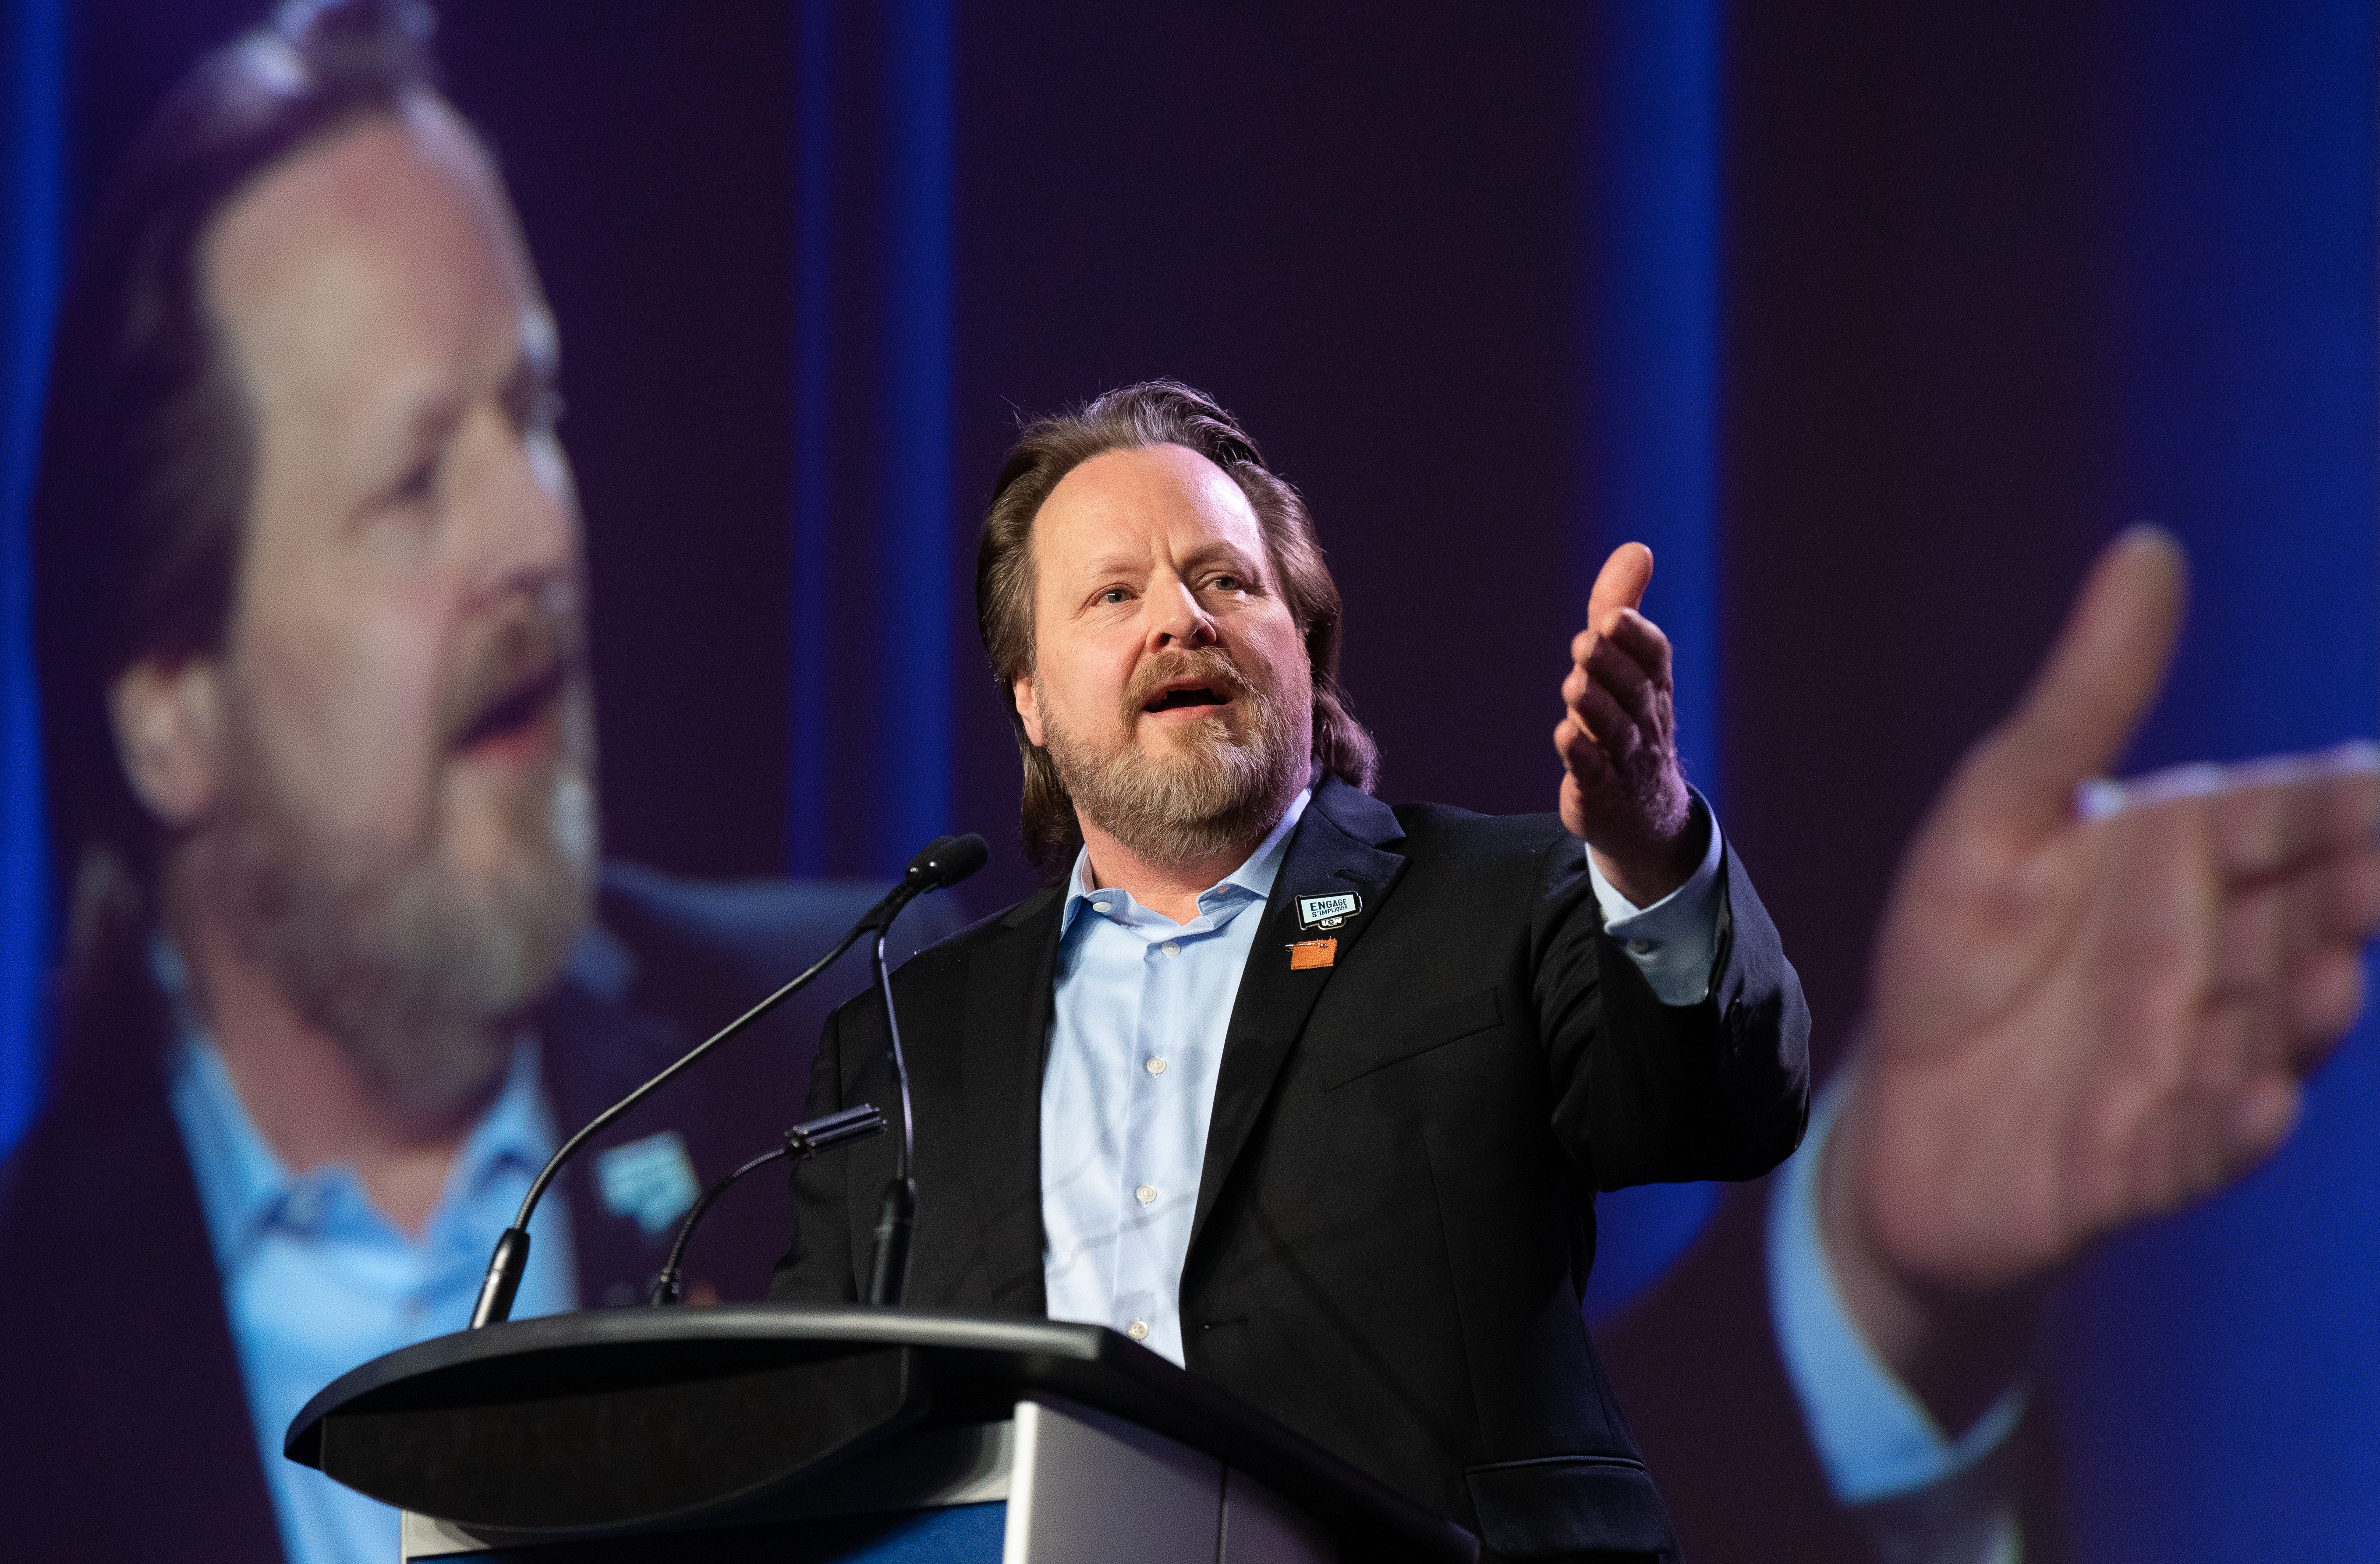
(1114, 564)
(436, 418)
(417, 429)
(1226, 551)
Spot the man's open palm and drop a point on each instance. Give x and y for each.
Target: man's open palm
(2094, 1006)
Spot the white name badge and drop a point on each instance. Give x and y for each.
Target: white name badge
(1328, 912)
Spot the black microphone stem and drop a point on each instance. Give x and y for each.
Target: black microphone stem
(855, 1122)
(900, 1061)
(502, 1281)
(889, 1276)
(665, 1285)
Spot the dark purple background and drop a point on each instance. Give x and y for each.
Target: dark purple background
(1997, 280)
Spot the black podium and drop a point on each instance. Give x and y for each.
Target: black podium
(795, 1435)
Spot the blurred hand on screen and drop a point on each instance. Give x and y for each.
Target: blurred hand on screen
(2091, 1003)
(1622, 789)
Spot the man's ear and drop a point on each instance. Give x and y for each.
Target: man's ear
(169, 738)
(1028, 709)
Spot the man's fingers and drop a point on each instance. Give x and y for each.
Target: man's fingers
(1621, 581)
(2262, 1116)
(2194, 1143)
(2235, 1103)
(1643, 642)
(1618, 674)
(2267, 927)
(1588, 763)
(2261, 829)
(2216, 1139)
(1608, 725)
(1573, 684)
(2324, 996)
(2094, 686)
(2338, 899)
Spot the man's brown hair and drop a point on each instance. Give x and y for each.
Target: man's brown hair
(1135, 418)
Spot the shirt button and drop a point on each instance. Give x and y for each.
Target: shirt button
(1157, 1067)
(1642, 947)
(1171, 948)
(1137, 1330)
(1098, 907)
(1145, 1193)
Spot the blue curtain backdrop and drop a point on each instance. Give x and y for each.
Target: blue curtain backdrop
(914, 569)
(874, 126)
(32, 56)
(2219, 1373)
(1650, 81)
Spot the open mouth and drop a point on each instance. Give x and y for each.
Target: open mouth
(514, 710)
(1173, 698)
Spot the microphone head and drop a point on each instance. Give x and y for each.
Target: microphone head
(945, 861)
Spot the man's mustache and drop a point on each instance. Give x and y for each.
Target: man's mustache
(1207, 665)
(519, 667)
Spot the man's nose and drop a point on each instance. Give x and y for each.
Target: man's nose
(1176, 620)
(518, 516)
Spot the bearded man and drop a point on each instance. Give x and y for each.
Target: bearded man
(1309, 1094)
(342, 959)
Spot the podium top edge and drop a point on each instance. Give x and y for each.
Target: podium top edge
(716, 1323)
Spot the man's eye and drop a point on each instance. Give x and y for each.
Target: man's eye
(419, 484)
(1114, 595)
(1224, 583)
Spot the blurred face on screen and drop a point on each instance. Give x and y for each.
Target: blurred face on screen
(400, 825)
(1171, 682)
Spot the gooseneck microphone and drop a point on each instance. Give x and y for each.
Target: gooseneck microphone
(944, 861)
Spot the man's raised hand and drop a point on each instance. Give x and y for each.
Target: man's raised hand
(2090, 1003)
(1622, 789)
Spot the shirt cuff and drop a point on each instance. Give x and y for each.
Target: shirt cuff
(1875, 1439)
(1672, 942)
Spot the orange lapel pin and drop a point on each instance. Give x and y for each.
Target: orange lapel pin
(1307, 955)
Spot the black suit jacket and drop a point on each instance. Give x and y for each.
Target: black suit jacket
(124, 1427)
(1395, 1216)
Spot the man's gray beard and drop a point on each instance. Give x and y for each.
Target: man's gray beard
(1217, 791)
(415, 974)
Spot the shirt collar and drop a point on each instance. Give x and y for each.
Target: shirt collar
(243, 1187)
(1252, 881)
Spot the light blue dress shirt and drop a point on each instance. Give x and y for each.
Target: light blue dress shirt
(1137, 1019)
(1873, 1436)
(316, 1280)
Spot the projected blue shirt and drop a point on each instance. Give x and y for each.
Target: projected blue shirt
(1137, 1019)
(1873, 1436)
(316, 1280)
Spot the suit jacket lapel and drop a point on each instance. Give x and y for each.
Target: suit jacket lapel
(1337, 848)
(1007, 1027)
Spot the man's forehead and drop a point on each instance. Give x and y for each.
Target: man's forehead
(1128, 505)
(385, 249)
